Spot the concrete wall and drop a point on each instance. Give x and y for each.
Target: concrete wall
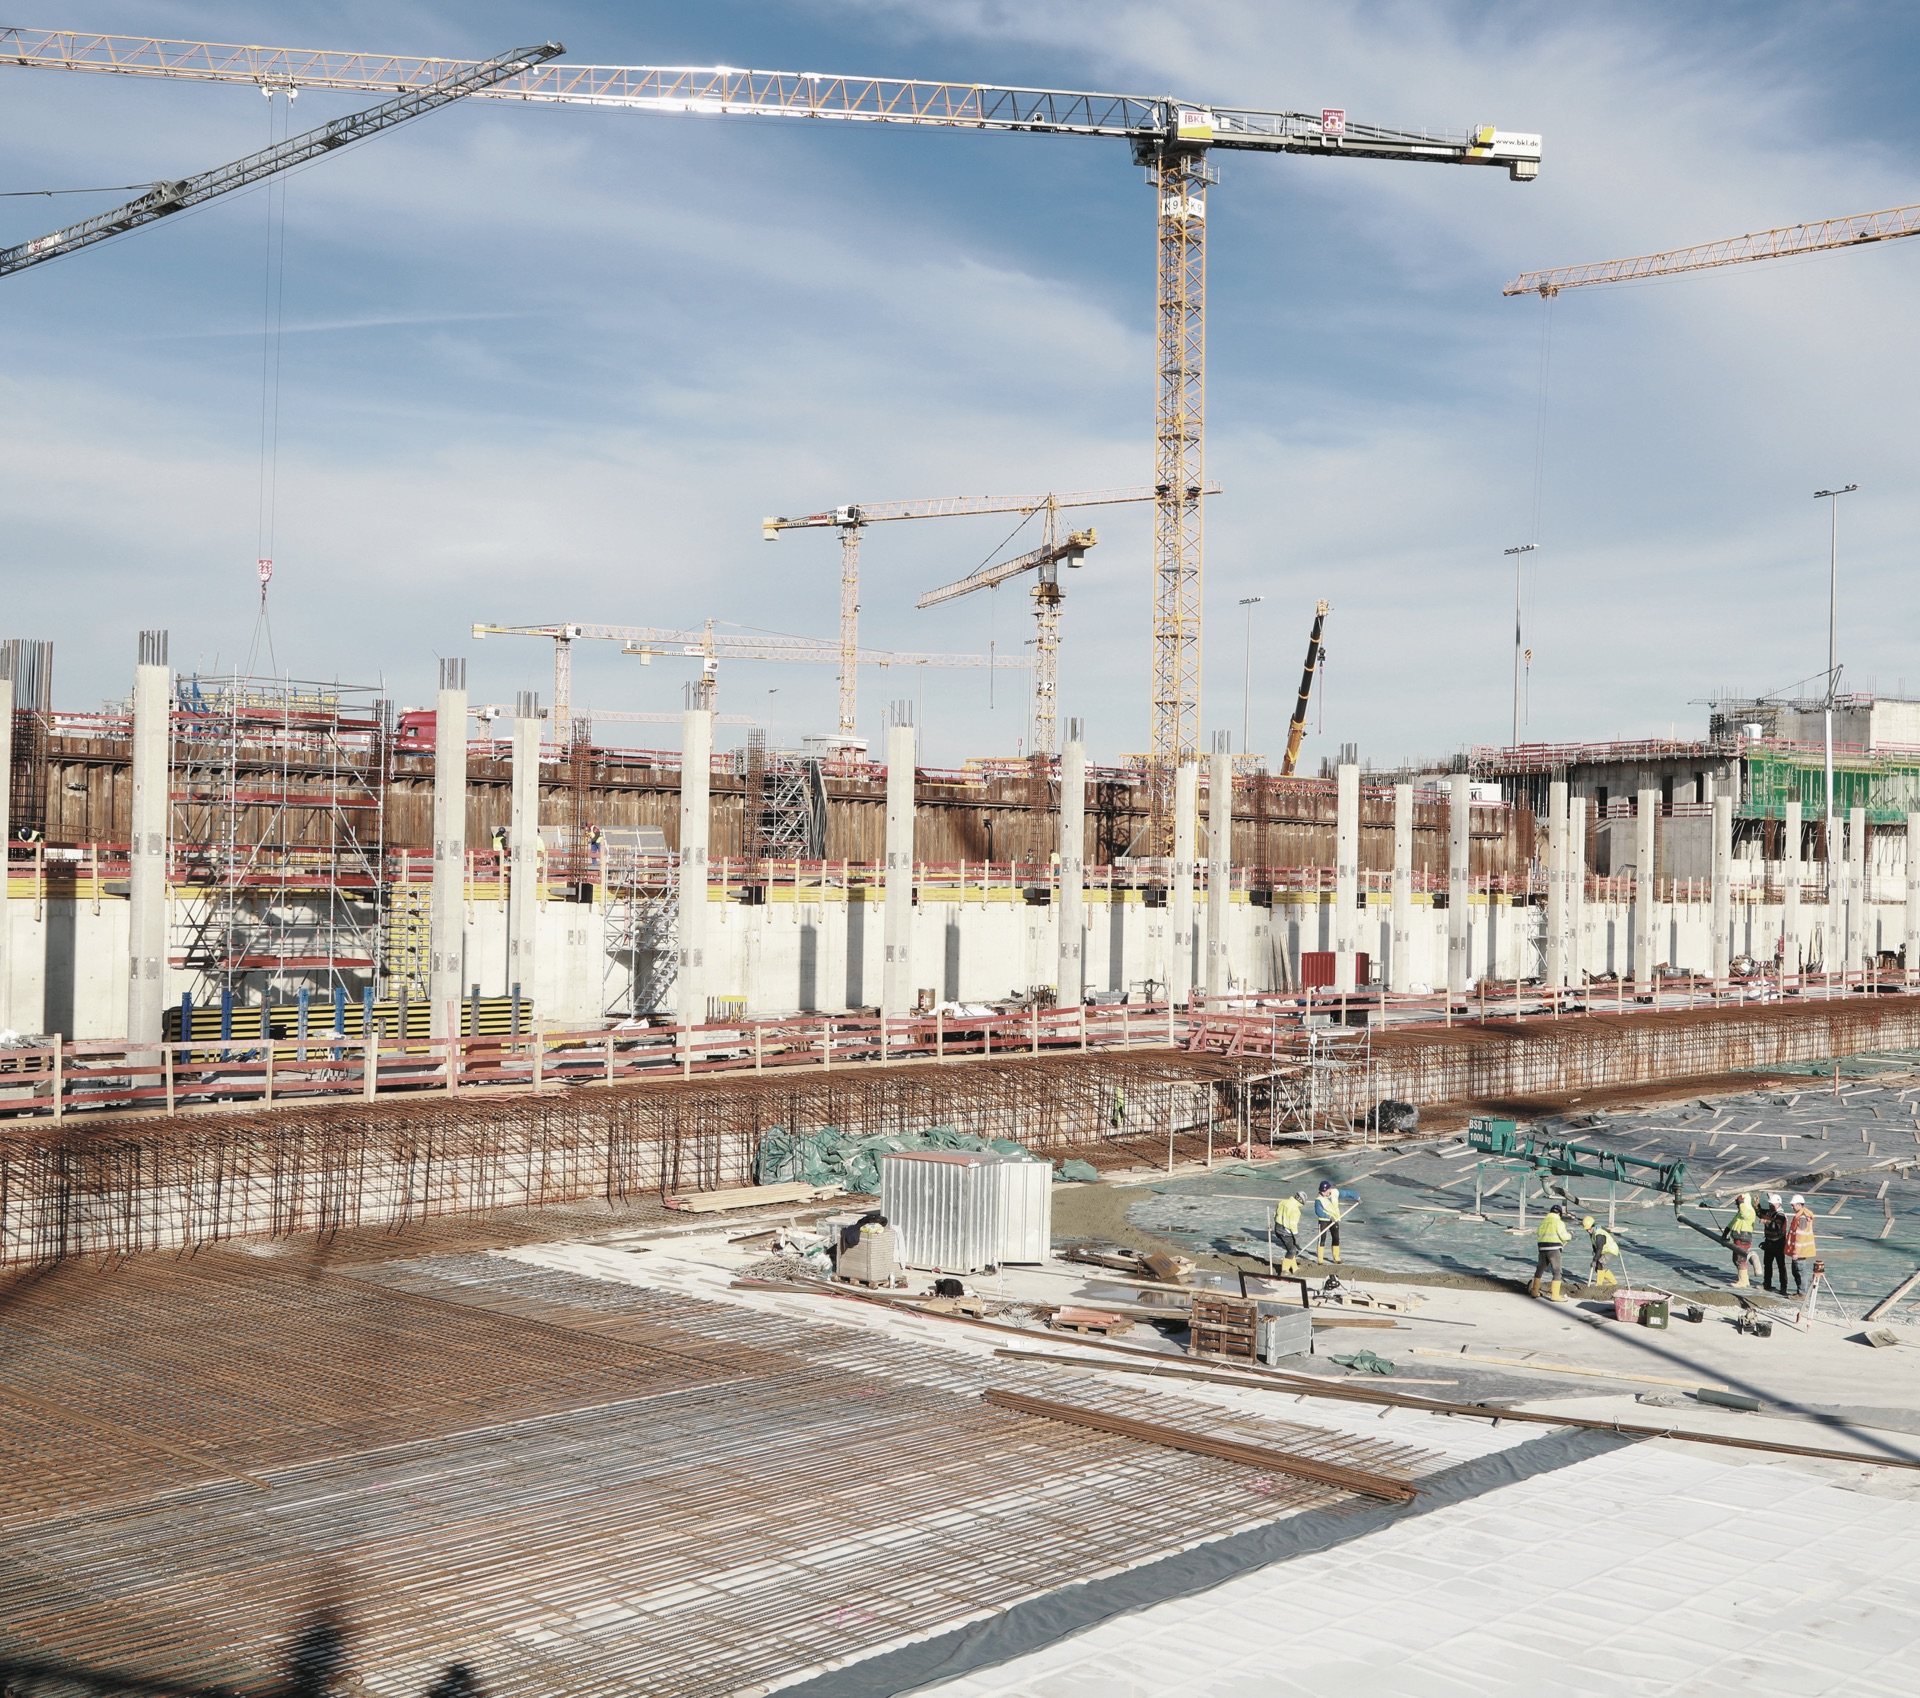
(69, 963)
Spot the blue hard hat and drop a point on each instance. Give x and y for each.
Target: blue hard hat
(1326, 1185)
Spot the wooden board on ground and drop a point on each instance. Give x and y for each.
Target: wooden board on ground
(749, 1197)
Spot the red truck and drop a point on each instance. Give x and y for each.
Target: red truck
(413, 732)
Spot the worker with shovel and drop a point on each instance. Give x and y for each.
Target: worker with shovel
(1286, 1230)
(1606, 1251)
(1551, 1238)
(1329, 1209)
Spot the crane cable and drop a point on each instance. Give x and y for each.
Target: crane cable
(1538, 501)
(272, 323)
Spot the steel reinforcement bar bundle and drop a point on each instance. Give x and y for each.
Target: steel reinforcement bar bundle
(168, 1184)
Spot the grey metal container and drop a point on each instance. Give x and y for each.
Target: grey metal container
(963, 1211)
(1286, 1332)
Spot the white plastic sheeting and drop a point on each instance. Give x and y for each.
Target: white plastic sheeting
(1651, 1569)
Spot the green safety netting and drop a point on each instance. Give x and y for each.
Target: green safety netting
(833, 1157)
(1077, 1172)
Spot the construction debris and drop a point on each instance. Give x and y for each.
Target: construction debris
(749, 1197)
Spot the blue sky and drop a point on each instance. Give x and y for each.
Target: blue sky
(546, 363)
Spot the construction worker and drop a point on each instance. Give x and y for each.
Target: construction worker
(1329, 1209)
(1551, 1237)
(1286, 1230)
(500, 840)
(1739, 1237)
(1117, 1114)
(1606, 1251)
(1801, 1247)
(1773, 1244)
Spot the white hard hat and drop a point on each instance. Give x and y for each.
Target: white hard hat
(1798, 1200)
(1773, 1197)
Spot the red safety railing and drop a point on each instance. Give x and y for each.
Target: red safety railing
(92, 1077)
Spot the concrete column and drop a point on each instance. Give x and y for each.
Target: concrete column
(147, 880)
(1832, 947)
(1574, 953)
(896, 981)
(1910, 957)
(1186, 798)
(1556, 951)
(523, 851)
(1400, 966)
(1459, 864)
(1791, 953)
(448, 916)
(1859, 940)
(1643, 874)
(1722, 885)
(1219, 867)
(1346, 874)
(696, 779)
(1073, 868)
(6, 837)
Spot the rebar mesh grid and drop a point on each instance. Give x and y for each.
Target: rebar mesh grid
(758, 1498)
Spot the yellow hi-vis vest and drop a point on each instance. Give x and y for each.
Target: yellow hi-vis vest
(1603, 1244)
(1744, 1218)
(1553, 1231)
(1286, 1214)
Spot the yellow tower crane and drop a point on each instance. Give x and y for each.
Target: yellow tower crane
(1173, 140)
(851, 519)
(1047, 560)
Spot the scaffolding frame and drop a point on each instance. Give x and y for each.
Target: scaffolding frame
(641, 891)
(278, 829)
(1324, 1088)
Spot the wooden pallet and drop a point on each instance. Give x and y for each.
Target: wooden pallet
(1224, 1326)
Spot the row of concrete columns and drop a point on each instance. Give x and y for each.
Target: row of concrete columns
(1566, 872)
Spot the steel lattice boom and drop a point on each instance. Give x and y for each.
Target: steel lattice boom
(456, 82)
(725, 91)
(1789, 239)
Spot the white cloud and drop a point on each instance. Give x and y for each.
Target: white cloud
(572, 357)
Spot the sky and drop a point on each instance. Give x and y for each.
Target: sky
(555, 363)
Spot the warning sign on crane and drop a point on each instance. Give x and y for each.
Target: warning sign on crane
(1333, 120)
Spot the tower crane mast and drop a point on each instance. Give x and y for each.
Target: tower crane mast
(1171, 138)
